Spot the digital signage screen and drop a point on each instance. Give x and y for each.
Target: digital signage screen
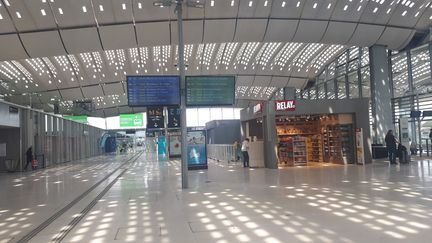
(210, 90)
(153, 90)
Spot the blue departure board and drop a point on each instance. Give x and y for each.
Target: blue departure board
(153, 90)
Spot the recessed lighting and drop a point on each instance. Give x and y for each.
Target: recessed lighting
(232, 3)
(1, 16)
(315, 5)
(298, 4)
(124, 6)
(18, 14)
(212, 3)
(7, 3)
(250, 3)
(140, 5)
(60, 11)
(265, 3)
(84, 8)
(404, 13)
(375, 10)
(329, 6)
(388, 11)
(345, 8)
(359, 8)
(283, 4)
(101, 8)
(43, 12)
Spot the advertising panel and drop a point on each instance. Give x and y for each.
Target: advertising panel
(174, 145)
(155, 118)
(285, 105)
(131, 120)
(196, 149)
(173, 117)
(81, 119)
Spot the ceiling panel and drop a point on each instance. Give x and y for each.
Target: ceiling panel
(92, 91)
(220, 30)
(395, 38)
(287, 9)
(250, 30)
(297, 83)
(145, 11)
(349, 11)
(113, 88)
(359, 37)
(338, 33)
(262, 81)
(31, 15)
(111, 112)
(160, 34)
(74, 13)
(113, 11)
(279, 82)
(11, 48)
(117, 36)
(310, 31)
(220, 9)
(73, 40)
(408, 15)
(6, 25)
(254, 9)
(244, 80)
(71, 94)
(376, 13)
(43, 44)
(281, 30)
(192, 31)
(313, 9)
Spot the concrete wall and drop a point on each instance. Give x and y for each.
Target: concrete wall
(10, 136)
(223, 132)
(8, 118)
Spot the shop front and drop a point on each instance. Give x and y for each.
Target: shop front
(304, 133)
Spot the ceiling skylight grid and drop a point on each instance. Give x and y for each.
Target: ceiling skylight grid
(25, 72)
(229, 53)
(219, 55)
(116, 59)
(37, 65)
(199, 55)
(65, 66)
(208, 54)
(259, 54)
(306, 55)
(329, 53)
(76, 67)
(249, 53)
(285, 54)
(11, 72)
(268, 54)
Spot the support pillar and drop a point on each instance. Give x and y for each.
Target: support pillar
(381, 92)
(270, 136)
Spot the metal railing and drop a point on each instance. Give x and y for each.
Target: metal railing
(223, 152)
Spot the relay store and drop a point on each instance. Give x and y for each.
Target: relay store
(307, 132)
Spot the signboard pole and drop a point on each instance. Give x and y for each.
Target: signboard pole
(184, 165)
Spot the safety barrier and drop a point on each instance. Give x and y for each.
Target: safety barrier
(222, 152)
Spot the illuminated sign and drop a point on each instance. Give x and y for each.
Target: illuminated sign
(258, 108)
(285, 105)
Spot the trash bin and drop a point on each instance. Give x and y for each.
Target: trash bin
(403, 154)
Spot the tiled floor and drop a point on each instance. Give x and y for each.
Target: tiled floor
(373, 203)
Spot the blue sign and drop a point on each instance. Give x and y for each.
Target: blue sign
(161, 142)
(196, 150)
(153, 90)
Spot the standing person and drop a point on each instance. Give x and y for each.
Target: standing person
(430, 137)
(391, 146)
(29, 157)
(245, 152)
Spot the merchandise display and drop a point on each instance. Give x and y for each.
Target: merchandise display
(315, 139)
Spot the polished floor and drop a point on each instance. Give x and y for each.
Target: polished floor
(137, 199)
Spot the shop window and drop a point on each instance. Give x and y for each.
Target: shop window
(421, 72)
(400, 74)
(353, 85)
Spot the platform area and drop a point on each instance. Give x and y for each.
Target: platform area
(134, 198)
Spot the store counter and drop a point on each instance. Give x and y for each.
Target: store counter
(256, 154)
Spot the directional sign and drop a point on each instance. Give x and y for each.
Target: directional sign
(155, 118)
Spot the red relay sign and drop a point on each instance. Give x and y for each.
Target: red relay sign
(285, 105)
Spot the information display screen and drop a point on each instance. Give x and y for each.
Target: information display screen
(153, 90)
(131, 120)
(210, 90)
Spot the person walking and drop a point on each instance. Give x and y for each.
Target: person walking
(391, 146)
(430, 137)
(29, 157)
(245, 152)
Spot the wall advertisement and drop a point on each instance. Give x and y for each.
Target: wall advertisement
(131, 120)
(196, 149)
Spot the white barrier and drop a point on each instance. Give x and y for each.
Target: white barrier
(222, 152)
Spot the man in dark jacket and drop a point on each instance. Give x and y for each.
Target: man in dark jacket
(391, 146)
(29, 157)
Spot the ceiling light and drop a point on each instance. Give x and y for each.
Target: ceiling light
(345, 8)
(404, 13)
(298, 4)
(212, 3)
(124, 6)
(60, 11)
(232, 3)
(18, 14)
(388, 11)
(1, 16)
(265, 3)
(43, 12)
(329, 6)
(250, 3)
(359, 8)
(7, 3)
(140, 5)
(44, 1)
(84, 8)
(375, 10)
(283, 4)
(101, 8)
(315, 5)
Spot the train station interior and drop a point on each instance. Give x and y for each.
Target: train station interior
(215, 121)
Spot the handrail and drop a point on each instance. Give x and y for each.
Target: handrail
(223, 152)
